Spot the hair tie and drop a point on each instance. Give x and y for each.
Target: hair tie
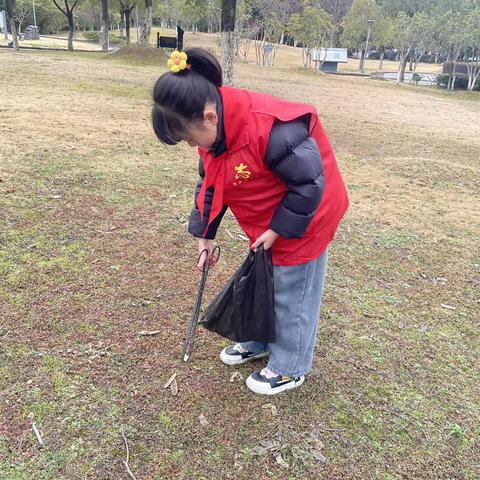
(178, 62)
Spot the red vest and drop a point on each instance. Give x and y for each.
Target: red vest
(252, 191)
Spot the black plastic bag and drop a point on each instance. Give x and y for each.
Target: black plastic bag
(244, 310)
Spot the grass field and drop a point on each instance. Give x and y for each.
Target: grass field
(287, 56)
(94, 249)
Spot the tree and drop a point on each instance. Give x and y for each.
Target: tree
(126, 7)
(402, 42)
(473, 39)
(336, 8)
(20, 12)
(193, 11)
(409, 7)
(104, 27)
(314, 28)
(355, 25)
(453, 32)
(227, 39)
(268, 31)
(422, 38)
(280, 9)
(146, 29)
(245, 29)
(68, 12)
(9, 7)
(383, 34)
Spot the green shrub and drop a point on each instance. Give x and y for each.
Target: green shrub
(461, 83)
(113, 39)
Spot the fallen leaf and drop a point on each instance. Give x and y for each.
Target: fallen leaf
(319, 444)
(243, 237)
(319, 456)
(235, 375)
(270, 444)
(258, 451)
(401, 324)
(170, 380)
(272, 408)
(384, 284)
(229, 233)
(203, 420)
(281, 461)
(174, 387)
(149, 332)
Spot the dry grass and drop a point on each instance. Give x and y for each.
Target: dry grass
(57, 43)
(93, 249)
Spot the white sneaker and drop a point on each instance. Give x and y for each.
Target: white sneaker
(236, 354)
(267, 382)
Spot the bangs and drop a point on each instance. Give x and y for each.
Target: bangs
(168, 126)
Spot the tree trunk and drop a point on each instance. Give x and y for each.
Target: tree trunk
(11, 21)
(227, 48)
(412, 54)
(416, 59)
(362, 59)
(473, 66)
(402, 66)
(147, 24)
(122, 23)
(227, 39)
(449, 60)
(71, 29)
(382, 54)
(127, 26)
(104, 27)
(304, 57)
(454, 70)
(13, 29)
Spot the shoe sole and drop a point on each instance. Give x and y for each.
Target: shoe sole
(255, 387)
(227, 360)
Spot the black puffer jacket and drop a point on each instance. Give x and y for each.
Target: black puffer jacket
(295, 158)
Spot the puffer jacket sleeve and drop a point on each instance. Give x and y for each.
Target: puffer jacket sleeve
(197, 225)
(294, 156)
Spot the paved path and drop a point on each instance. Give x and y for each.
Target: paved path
(427, 78)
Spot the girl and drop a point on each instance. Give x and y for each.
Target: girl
(270, 162)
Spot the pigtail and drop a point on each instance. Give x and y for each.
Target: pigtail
(205, 64)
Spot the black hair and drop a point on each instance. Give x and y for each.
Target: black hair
(180, 98)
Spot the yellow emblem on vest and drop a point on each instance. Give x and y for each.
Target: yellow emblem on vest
(242, 174)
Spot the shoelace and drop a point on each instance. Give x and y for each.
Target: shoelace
(239, 348)
(267, 373)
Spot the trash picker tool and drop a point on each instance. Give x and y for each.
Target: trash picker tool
(192, 327)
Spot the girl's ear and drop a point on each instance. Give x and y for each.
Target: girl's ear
(210, 114)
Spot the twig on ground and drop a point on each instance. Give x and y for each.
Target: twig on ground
(125, 462)
(256, 439)
(37, 434)
(149, 333)
(170, 380)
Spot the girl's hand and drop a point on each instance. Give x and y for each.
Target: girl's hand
(267, 238)
(204, 244)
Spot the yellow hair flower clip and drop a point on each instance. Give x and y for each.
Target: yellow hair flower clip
(178, 61)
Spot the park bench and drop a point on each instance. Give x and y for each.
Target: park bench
(171, 43)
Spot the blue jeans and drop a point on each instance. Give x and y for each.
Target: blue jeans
(298, 296)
